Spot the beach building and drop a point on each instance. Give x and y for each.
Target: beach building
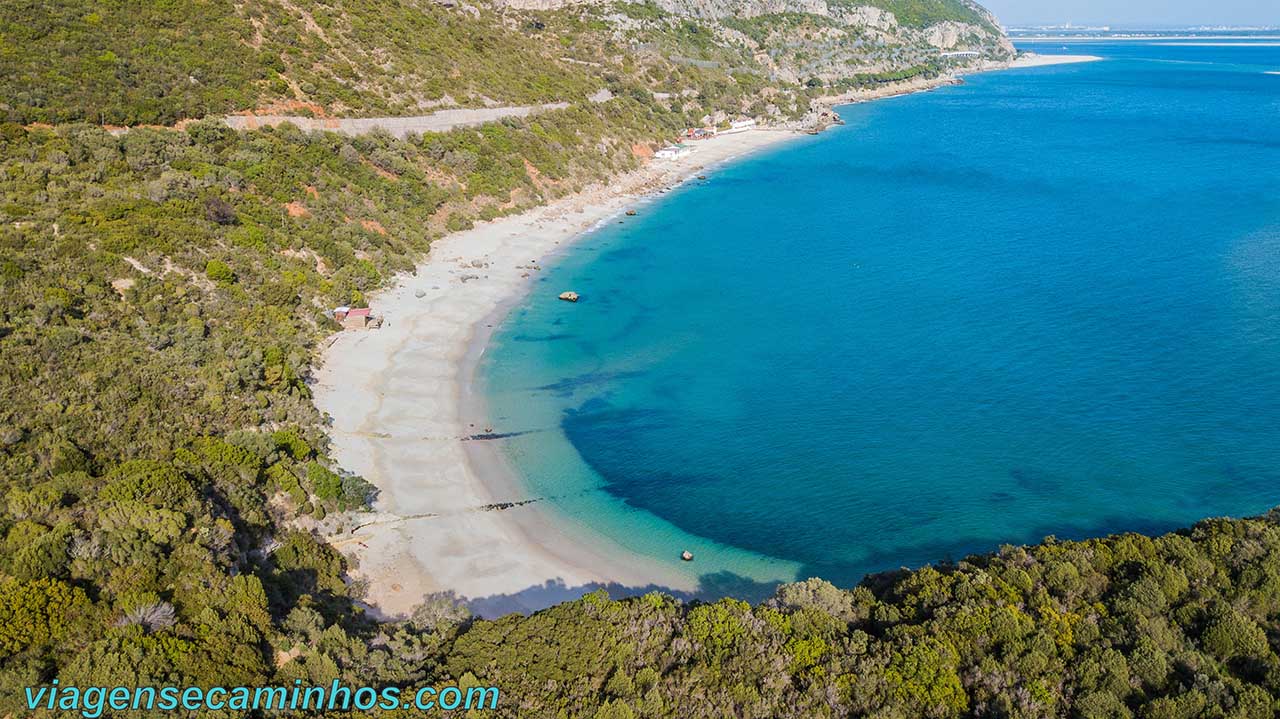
(671, 152)
(350, 318)
(699, 133)
(739, 126)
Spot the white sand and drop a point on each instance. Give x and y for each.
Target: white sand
(396, 396)
(1032, 59)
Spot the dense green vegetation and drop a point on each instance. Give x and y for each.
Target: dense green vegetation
(1183, 625)
(125, 62)
(161, 296)
(761, 28)
(161, 285)
(157, 62)
(864, 80)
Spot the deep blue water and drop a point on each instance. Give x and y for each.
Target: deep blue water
(1043, 302)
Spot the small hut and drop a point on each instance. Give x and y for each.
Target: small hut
(356, 319)
(352, 318)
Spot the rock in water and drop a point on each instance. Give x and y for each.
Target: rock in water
(569, 296)
(686, 555)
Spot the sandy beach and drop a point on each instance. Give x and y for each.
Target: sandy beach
(398, 397)
(921, 84)
(1034, 60)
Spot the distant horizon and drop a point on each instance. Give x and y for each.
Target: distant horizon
(1134, 15)
(1137, 26)
(1134, 27)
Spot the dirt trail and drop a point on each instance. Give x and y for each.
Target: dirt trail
(439, 121)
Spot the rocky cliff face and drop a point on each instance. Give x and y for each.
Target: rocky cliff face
(844, 35)
(718, 9)
(943, 34)
(770, 59)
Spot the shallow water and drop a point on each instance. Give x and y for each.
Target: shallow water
(1043, 302)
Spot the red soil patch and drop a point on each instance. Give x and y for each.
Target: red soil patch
(296, 209)
(381, 172)
(290, 107)
(373, 226)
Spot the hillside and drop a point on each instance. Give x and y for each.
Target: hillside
(163, 292)
(162, 286)
(146, 63)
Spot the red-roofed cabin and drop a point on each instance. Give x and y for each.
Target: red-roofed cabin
(355, 319)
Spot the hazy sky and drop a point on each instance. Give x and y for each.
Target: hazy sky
(1137, 12)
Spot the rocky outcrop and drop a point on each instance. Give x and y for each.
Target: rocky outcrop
(718, 9)
(544, 4)
(869, 17)
(946, 35)
(952, 35)
(844, 45)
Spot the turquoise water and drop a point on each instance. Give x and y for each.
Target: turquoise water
(1043, 302)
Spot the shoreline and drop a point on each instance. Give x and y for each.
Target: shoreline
(393, 424)
(452, 517)
(911, 87)
(1032, 59)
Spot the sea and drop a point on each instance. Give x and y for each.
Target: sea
(1045, 302)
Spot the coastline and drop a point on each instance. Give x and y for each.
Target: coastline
(1032, 59)
(398, 399)
(910, 87)
(402, 406)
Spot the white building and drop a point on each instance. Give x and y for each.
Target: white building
(671, 152)
(739, 126)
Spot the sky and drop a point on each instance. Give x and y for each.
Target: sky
(1151, 13)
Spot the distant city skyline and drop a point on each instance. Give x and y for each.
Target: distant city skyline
(1154, 13)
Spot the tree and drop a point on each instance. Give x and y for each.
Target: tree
(37, 613)
(219, 272)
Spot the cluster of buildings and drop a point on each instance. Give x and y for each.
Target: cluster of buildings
(671, 152)
(680, 149)
(705, 133)
(739, 126)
